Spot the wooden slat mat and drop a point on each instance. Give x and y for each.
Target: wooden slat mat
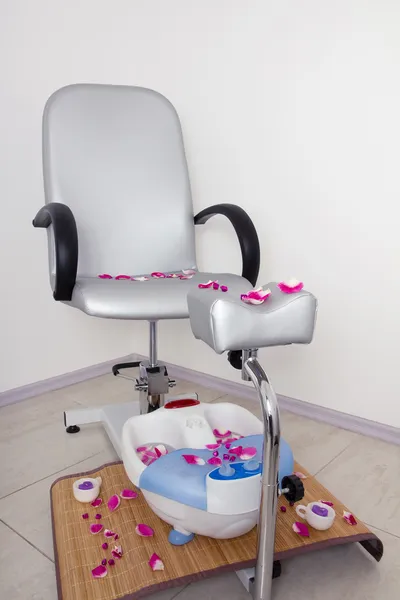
(77, 552)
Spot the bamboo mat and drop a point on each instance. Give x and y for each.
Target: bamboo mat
(77, 551)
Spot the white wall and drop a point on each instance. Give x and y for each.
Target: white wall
(289, 109)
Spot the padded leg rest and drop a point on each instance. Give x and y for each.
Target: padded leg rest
(224, 322)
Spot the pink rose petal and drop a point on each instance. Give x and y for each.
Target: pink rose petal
(117, 552)
(237, 450)
(104, 546)
(100, 571)
(128, 494)
(349, 518)
(98, 516)
(300, 475)
(105, 276)
(185, 276)
(213, 446)
(248, 453)
(215, 460)
(113, 503)
(160, 450)
(206, 286)
(116, 536)
(158, 275)
(144, 530)
(215, 285)
(327, 503)
(172, 276)
(123, 277)
(96, 502)
(192, 459)
(156, 563)
(224, 288)
(96, 528)
(111, 562)
(108, 533)
(257, 296)
(150, 454)
(222, 433)
(291, 287)
(85, 516)
(189, 271)
(301, 529)
(143, 448)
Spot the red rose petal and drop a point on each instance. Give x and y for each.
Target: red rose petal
(96, 528)
(128, 494)
(301, 529)
(349, 518)
(113, 503)
(144, 530)
(192, 459)
(156, 563)
(100, 571)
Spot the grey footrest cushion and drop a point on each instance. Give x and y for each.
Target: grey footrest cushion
(224, 322)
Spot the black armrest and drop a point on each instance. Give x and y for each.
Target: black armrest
(245, 231)
(66, 245)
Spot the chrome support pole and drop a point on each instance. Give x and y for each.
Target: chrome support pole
(153, 344)
(153, 382)
(246, 354)
(262, 587)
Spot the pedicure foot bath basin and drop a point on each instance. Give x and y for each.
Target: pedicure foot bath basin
(199, 467)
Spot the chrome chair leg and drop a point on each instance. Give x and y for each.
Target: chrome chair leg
(262, 587)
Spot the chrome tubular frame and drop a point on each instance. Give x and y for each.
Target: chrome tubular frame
(262, 587)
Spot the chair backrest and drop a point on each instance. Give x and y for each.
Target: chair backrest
(115, 156)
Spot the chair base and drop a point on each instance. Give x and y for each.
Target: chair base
(73, 429)
(111, 416)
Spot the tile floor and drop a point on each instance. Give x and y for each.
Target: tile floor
(35, 450)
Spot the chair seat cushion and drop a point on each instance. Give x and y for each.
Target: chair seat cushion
(224, 322)
(145, 300)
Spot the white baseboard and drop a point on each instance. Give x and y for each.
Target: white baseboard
(336, 418)
(299, 407)
(55, 383)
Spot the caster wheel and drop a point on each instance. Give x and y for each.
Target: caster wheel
(295, 488)
(73, 429)
(235, 358)
(277, 569)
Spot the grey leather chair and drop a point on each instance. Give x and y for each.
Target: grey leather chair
(118, 201)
